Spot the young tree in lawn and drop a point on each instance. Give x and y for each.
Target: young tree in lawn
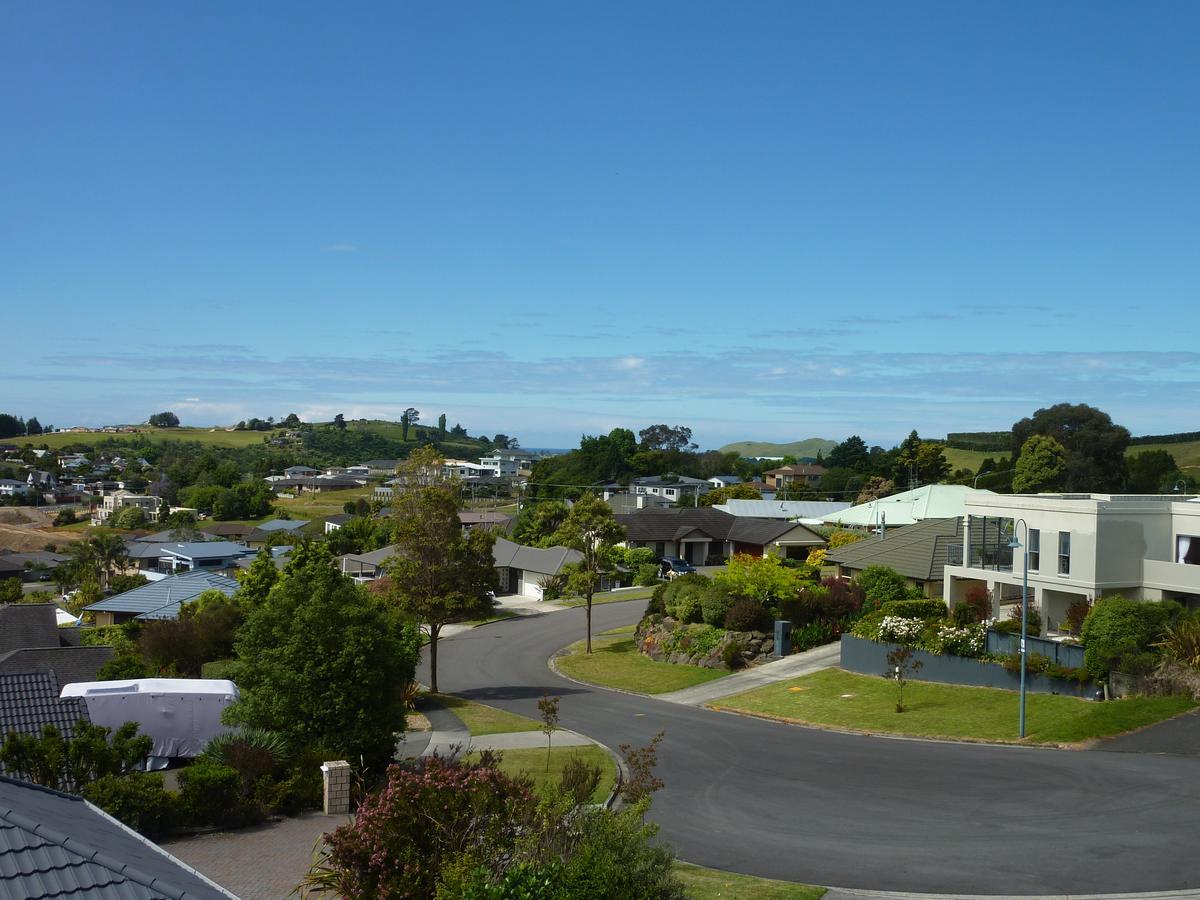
(439, 575)
(592, 529)
(548, 707)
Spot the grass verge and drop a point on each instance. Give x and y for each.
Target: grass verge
(634, 593)
(481, 719)
(865, 703)
(615, 662)
(531, 761)
(711, 884)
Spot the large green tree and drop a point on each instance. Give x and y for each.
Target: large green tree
(323, 661)
(1152, 471)
(1042, 466)
(438, 574)
(1095, 446)
(592, 529)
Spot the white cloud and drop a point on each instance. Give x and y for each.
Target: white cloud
(629, 363)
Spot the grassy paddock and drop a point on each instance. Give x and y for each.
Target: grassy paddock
(866, 703)
(213, 438)
(615, 662)
(711, 884)
(481, 719)
(531, 761)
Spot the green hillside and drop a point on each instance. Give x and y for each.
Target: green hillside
(1187, 453)
(798, 449)
(217, 437)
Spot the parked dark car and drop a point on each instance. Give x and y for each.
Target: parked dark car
(671, 566)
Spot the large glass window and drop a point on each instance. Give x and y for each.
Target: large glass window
(1035, 549)
(1064, 553)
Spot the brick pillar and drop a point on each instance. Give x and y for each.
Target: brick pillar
(337, 787)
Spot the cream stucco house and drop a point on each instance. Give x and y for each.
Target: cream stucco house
(1078, 546)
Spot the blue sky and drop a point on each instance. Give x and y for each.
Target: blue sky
(769, 221)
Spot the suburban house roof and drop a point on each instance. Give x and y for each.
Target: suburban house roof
(805, 469)
(381, 463)
(473, 517)
(27, 625)
(281, 525)
(227, 529)
(338, 519)
(29, 701)
(57, 845)
(667, 480)
(206, 550)
(666, 524)
(375, 558)
(162, 599)
(932, 501)
(919, 551)
(782, 509)
(30, 641)
(543, 561)
(653, 525)
(167, 537)
(301, 470)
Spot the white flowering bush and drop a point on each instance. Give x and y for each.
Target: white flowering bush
(899, 629)
(967, 640)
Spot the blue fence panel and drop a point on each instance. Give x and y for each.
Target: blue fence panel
(1068, 655)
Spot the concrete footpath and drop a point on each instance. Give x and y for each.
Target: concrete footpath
(793, 666)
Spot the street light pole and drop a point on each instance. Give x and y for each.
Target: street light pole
(1024, 609)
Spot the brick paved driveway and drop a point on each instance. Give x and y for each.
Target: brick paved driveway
(261, 863)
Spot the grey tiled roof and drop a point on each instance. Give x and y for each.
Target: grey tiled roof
(918, 551)
(544, 561)
(281, 525)
(162, 599)
(57, 845)
(27, 625)
(70, 664)
(29, 700)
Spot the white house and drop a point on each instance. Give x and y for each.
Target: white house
(1077, 546)
(113, 503)
(671, 487)
(506, 463)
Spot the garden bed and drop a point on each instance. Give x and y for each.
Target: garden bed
(870, 658)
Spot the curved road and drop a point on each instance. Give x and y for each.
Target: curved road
(853, 811)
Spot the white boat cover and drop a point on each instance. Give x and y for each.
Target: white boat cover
(180, 715)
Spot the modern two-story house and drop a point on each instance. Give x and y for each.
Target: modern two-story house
(1077, 546)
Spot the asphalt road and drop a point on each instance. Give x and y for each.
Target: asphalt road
(854, 811)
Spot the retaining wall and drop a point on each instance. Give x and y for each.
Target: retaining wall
(870, 658)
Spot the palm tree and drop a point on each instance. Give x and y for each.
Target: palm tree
(111, 556)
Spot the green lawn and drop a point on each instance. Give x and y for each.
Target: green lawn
(327, 503)
(615, 662)
(480, 719)
(867, 703)
(634, 593)
(1187, 453)
(711, 884)
(532, 762)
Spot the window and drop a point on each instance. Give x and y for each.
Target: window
(660, 549)
(1035, 549)
(1064, 553)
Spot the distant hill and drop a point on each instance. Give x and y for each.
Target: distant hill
(798, 449)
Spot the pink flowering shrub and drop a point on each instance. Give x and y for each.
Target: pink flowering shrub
(424, 817)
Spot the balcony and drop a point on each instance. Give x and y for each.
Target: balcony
(1171, 576)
